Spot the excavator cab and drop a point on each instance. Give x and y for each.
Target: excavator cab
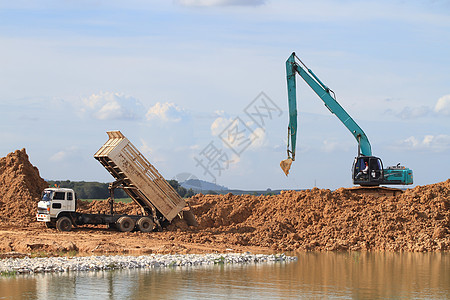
(368, 171)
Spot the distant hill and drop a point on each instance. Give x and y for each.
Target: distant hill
(206, 187)
(202, 186)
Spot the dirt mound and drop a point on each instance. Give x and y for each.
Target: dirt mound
(20, 189)
(417, 220)
(317, 219)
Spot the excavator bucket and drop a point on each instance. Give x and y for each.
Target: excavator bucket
(286, 165)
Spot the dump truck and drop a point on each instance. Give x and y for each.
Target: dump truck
(140, 180)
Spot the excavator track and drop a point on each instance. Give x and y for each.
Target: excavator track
(378, 191)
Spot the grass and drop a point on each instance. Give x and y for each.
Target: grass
(219, 261)
(8, 273)
(38, 254)
(70, 253)
(113, 265)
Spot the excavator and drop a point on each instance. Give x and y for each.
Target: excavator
(367, 169)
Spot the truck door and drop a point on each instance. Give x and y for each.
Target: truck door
(58, 203)
(70, 201)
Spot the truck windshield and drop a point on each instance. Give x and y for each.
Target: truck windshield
(47, 196)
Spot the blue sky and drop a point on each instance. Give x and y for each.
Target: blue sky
(177, 77)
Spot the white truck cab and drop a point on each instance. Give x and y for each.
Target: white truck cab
(54, 201)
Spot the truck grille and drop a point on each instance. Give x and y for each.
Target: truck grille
(42, 211)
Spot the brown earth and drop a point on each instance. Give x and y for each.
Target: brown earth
(310, 220)
(20, 188)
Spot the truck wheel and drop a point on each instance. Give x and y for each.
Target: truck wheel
(125, 224)
(145, 224)
(64, 224)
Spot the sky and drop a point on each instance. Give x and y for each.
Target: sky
(200, 86)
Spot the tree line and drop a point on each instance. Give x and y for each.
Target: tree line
(99, 190)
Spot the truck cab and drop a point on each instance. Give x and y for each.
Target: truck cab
(55, 201)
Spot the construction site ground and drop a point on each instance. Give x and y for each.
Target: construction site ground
(417, 220)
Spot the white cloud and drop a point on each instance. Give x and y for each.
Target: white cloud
(113, 106)
(167, 112)
(221, 2)
(443, 105)
(145, 149)
(238, 135)
(414, 112)
(234, 160)
(260, 139)
(152, 155)
(330, 146)
(437, 143)
(219, 125)
(64, 155)
(58, 156)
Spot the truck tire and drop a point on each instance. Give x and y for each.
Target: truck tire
(125, 224)
(145, 224)
(64, 224)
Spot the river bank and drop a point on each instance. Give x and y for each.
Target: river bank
(29, 265)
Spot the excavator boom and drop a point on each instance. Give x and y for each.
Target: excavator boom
(392, 175)
(295, 66)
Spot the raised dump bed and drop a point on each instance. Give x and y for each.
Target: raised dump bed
(138, 177)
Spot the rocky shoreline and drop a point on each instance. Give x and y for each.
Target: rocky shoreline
(26, 265)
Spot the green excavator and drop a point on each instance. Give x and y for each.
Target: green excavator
(367, 169)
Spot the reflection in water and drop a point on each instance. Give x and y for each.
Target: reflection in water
(345, 275)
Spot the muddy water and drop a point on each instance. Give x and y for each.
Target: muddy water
(314, 275)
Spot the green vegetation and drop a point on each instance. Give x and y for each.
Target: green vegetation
(113, 265)
(40, 254)
(96, 190)
(99, 190)
(88, 190)
(181, 190)
(219, 261)
(8, 273)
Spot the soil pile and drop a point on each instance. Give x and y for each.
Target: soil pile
(317, 219)
(20, 189)
(310, 220)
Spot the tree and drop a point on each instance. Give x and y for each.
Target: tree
(189, 193)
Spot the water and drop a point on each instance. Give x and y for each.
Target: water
(314, 275)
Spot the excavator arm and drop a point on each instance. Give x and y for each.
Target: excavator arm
(295, 66)
(367, 170)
